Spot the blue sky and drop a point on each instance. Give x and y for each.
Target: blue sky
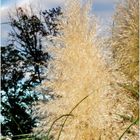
(99, 5)
(101, 8)
(3, 2)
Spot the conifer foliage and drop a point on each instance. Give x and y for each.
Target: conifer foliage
(24, 62)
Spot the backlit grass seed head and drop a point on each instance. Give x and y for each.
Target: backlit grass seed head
(79, 70)
(125, 38)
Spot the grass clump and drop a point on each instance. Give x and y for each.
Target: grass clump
(125, 48)
(79, 70)
(125, 38)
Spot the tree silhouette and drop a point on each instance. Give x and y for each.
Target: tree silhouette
(23, 64)
(17, 95)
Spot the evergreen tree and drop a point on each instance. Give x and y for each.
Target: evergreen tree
(22, 69)
(17, 94)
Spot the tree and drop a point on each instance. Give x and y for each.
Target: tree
(27, 33)
(23, 64)
(51, 18)
(17, 95)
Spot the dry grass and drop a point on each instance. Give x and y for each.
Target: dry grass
(79, 70)
(125, 38)
(125, 48)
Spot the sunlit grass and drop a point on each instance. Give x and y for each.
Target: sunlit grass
(80, 70)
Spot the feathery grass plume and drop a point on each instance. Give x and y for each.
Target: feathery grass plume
(78, 71)
(125, 39)
(82, 81)
(125, 47)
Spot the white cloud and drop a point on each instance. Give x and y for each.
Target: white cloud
(36, 5)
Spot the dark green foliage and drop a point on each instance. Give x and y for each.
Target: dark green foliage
(17, 95)
(51, 20)
(28, 32)
(23, 64)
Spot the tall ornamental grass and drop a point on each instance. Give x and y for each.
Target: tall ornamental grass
(92, 100)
